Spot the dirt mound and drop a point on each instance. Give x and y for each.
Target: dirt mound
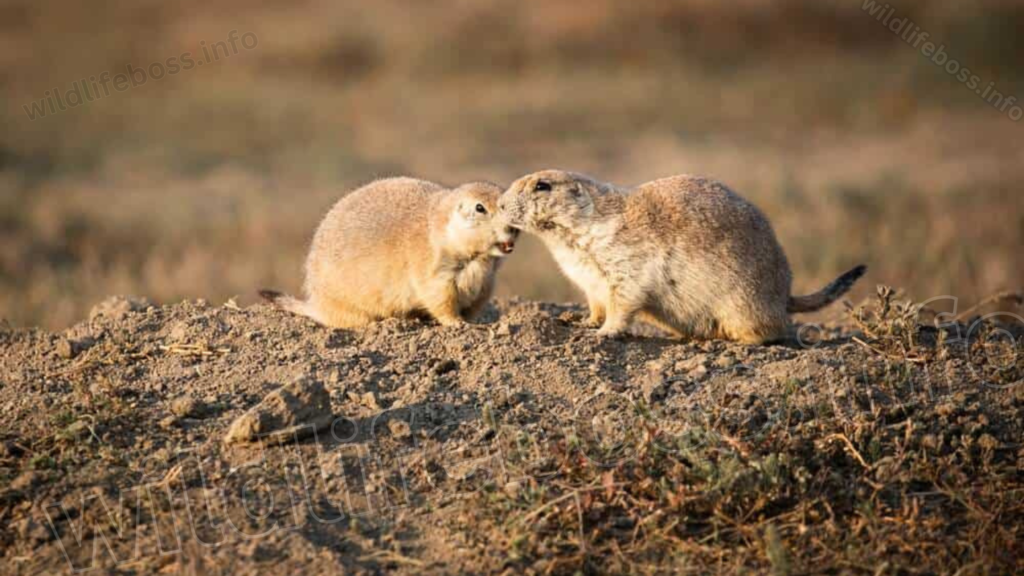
(525, 443)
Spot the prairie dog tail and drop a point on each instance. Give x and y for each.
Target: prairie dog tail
(828, 294)
(286, 302)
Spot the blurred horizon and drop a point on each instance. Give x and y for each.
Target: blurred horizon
(209, 182)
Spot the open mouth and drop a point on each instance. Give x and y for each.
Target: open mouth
(507, 246)
(505, 242)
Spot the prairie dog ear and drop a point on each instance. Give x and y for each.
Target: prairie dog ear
(460, 215)
(577, 194)
(580, 193)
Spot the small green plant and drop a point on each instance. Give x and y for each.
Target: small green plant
(42, 462)
(891, 325)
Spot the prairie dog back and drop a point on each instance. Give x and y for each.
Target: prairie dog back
(368, 238)
(403, 246)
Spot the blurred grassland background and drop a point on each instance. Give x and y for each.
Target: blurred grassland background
(209, 184)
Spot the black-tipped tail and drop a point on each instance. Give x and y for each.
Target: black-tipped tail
(286, 302)
(829, 294)
(271, 296)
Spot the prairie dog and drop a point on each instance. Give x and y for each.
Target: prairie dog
(684, 253)
(402, 246)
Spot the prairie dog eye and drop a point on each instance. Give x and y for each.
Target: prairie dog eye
(542, 186)
(480, 208)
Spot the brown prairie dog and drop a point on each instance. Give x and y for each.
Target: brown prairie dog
(402, 246)
(684, 253)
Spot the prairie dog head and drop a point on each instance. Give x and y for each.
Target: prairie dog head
(544, 200)
(474, 224)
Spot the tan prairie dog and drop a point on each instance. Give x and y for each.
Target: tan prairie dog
(684, 253)
(401, 247)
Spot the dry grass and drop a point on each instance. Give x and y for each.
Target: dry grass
(903, 472)
(806, 499)
(70, 244)
(209, 184)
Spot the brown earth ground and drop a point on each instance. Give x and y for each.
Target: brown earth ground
(522, 444)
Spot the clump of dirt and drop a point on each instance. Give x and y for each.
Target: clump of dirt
(523, 444)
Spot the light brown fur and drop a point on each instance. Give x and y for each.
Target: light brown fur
(683, 253)
(402, 246)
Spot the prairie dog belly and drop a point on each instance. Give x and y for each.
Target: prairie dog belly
(472, 280)
(581, 271)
